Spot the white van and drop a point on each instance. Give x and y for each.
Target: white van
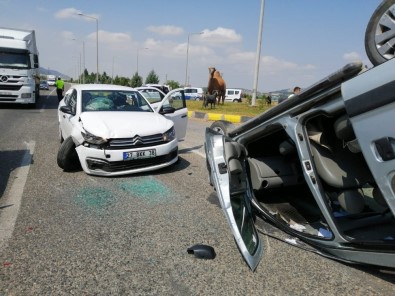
(233, 95)
(193, 93)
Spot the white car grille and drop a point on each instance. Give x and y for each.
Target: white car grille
(136, 141)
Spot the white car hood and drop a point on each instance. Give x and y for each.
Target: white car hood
(124, 124)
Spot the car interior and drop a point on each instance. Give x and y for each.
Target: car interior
(347, 187)
(111, 101)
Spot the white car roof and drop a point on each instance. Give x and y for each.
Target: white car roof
(149, 87)
(80, 87)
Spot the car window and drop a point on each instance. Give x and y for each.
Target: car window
(153, 96)
(103, 100)
(66, 97)
(177, 101)
(72, 100)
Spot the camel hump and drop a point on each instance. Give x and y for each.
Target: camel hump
(217, 74)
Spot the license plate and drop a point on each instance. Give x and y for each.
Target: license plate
(139, 154)
(5, 93)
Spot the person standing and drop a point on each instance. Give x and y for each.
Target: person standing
(296, 91)
(59, 88)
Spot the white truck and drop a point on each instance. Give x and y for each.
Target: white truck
(19, 67)
(51, 79)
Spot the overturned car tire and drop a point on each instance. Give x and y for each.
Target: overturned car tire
(222, 127)
(67, 156)
(380, 34)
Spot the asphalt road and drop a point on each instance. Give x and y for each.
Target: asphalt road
(77, 234)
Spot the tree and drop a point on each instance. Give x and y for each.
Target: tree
(104, 78)
(173, 84)
(136, 80)
(152, 78)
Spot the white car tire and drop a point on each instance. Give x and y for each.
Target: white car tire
(67, 156)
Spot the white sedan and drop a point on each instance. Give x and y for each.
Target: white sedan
(113, 130)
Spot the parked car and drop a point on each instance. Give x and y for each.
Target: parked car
(113, 130)
(162, 87)
(44, 85)
(193, 93)
(320, 166)
(233, 95)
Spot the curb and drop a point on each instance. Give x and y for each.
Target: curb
(218, 116)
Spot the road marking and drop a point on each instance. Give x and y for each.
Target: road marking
(10, 207)
(190, 149)
(45, 105)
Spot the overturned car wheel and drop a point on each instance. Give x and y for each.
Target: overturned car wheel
(67, 156)
(222, 127)
(380, 33)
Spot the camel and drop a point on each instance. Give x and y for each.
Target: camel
(216, 83)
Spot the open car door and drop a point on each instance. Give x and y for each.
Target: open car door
(370, 103)
(227, 168)
(174, 107)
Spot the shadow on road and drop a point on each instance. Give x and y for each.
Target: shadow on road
(45, 102)
(189, 150)
(10, 160)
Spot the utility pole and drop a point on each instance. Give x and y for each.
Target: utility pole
(258, 54)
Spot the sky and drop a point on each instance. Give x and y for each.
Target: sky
(302, 40)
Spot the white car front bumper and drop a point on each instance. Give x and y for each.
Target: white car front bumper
(110, 162)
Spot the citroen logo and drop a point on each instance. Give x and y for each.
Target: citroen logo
(3, 78)
(137, 140)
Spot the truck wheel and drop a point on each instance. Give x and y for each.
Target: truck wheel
(379, 36)
(67, 156)
(222, 127)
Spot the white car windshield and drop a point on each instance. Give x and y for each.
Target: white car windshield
(113, 100)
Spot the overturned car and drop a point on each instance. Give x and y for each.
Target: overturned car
(320, 166)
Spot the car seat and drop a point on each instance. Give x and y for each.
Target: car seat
(339, 164)
(276, 171)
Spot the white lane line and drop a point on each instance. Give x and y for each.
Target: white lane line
(9, 209)
(45, 104)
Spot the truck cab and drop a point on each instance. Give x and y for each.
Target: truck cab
(19, 63)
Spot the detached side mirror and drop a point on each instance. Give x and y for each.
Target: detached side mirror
(67, 110)
(167, 110)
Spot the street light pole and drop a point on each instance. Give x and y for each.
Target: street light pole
(186, 67)
(138, 49)
(258, 54)
(97, 43)
(83, 61)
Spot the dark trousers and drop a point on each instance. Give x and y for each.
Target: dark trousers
(59, 92)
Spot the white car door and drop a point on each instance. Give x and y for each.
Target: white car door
(175, 101)
(65, 124)
(226, 161)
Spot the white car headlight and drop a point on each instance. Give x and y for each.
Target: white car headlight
(92, 139)
(169, 135)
